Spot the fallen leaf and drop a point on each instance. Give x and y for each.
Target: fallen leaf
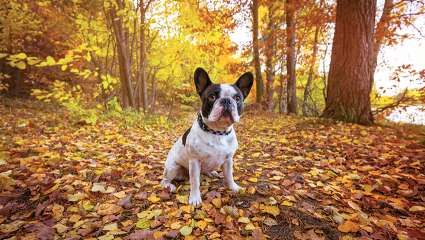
(417, 209)
(243, 220)
(349, 226)
(186, 230)
(273, 210)
(108, 209)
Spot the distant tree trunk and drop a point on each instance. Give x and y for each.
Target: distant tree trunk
(349, 82)
(121, 40)
(270, 54)
(282, 95)
(291, 56)
(143, 86)
(153, 89)
(380, 32)
(256, 53)
(311, 71)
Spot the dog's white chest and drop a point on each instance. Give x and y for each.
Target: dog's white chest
(213, 152)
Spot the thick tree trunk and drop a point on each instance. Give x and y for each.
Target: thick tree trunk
(270, 53)
(256, 53)
(350, 74)
(380, 32)
(291, 56)
(310, 72)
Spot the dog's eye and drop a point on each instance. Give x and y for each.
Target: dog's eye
(212, 97)
(237, 98)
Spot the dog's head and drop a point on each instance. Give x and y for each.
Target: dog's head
(222, 104)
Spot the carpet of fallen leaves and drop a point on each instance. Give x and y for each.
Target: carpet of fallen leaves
(304, 178)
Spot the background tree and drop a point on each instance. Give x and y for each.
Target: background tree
(349, 82)
(290, 8)
(256, 53)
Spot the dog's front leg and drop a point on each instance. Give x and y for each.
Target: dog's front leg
(228, 175)
(195, 175)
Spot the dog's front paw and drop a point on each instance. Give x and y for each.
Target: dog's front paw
(195, 199)
(236, 188)
(169, 185)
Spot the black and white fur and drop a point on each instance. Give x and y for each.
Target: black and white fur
(201, 151)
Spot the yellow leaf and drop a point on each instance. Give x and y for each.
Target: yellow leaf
(20, 56)
(50, 61)
(111, 227)
(158, 234)
(273, 210)
(143, 223)
(250, 227)
(287, 203)
(253, 179)
(244, 220)
(120, 194)
(216, 202)
(186, 208)
(186, 230)
(215, 235)
(21, 65)
(348, 226)
(183, 199)
(175, 225)
(201, 224)
(417, 209)
(153, 198)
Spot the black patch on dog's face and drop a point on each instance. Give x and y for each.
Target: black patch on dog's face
(240, 103)
(185, 136)
(208, 98)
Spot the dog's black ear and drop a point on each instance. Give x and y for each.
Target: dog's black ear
(202, 80)
(244, 83)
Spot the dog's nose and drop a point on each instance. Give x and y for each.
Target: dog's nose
(225, 102)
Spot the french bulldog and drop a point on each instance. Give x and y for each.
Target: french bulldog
(210, 142)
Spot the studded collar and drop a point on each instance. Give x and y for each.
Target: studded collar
(204, 127)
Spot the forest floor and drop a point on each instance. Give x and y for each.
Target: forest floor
(305, 178)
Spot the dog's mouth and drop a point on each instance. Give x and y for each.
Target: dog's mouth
(227, 116)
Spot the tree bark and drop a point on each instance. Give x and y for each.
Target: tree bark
(270, 53)
(123, 58)
(350, 74)
(256, 53)
(143, 62)
(311, 72)
(290, 9)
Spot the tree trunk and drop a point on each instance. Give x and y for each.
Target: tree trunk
(282, 96)
(380, 32)
(153, 93)
(143, 62)
(350, 74)
(311, 72)
(123, 58)
(270, 53)
(256, 53)
(291, 56)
